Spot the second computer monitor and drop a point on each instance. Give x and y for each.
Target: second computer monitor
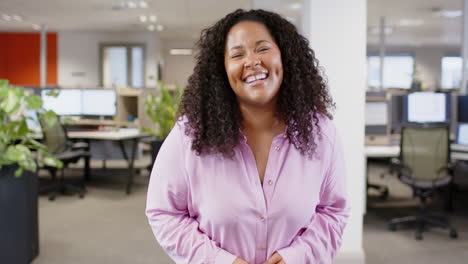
(427, 107)
(87, 102)
(99, 102)
(462, 107)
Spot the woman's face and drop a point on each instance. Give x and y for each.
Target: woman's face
(253, 64)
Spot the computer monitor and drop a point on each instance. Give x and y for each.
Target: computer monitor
(99, 102)
(462, 107)
(68, 101)
(462, 134)
(427, 107)
(376, 118)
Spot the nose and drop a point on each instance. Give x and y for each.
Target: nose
(252, 61)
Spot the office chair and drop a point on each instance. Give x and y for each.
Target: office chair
(424, 166)
(55, 138)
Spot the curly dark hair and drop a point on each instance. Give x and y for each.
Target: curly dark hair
(213, 116)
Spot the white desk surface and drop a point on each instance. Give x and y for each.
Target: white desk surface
(458, 152)
(382, 151)
(121, 134)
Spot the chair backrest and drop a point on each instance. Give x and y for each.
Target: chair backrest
(425, 149)
(55, 137)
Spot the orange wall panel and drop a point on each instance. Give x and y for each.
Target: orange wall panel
(20, 58)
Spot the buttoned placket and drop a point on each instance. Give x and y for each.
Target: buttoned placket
(271, 175)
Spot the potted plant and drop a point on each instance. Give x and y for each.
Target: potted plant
(19, 154)
(163, 111)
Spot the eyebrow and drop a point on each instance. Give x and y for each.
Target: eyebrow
(256, 43)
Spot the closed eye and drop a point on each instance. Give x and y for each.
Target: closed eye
(263, 49)
(236, 56)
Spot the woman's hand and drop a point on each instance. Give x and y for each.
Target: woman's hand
(275, 259)
(239, 261)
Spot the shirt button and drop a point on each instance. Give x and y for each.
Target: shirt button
(270, 182)
(277, 148)
(262, 218)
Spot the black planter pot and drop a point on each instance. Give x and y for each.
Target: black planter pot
(19, 234)
(155, 146)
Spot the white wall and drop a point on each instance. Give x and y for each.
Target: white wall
(337, 34)
(177, 68)
(78, 55)
(427, 58)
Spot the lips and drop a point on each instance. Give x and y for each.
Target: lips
(256, 76)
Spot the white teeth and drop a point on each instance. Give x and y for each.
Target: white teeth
(260, 76)
(253, 78)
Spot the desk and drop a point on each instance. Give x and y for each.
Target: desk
(382, 151)
(379, 152)
(120, 136)
(459, 152)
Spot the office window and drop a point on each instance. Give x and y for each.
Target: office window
(122, 65)
(398, 71)
(451, 72)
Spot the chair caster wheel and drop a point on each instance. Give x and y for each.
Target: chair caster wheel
(453, 233)
(384, 195)
(418, 236)
(391, 227)
(52, 198)
(81, 196)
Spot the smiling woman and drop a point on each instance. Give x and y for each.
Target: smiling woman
(253, 170)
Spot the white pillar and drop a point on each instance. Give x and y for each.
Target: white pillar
(464, 52)
(43, 56)
(337, 34)
(382, 51)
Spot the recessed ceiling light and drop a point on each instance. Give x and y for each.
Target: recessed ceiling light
(447, 13)
(150, 27)
(160, 27)
(17, 18)
(143, 18)
(143, 4)
(410, 22)
(36, 27)
(180, 51)
(6, 17)
(131, 4)
(291, 19)
(153, 18)
(295, 6)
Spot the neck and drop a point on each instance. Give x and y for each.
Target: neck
(259, 118)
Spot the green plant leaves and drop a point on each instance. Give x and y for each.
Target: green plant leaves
(16, 140)
(34, 102)
(11, 102)
(162, 110)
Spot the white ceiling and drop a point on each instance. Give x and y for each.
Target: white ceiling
(183, 19)
(434, 30)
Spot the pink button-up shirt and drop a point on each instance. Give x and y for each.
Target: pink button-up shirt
(210, 209)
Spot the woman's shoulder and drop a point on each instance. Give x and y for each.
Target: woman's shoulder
(327, 128)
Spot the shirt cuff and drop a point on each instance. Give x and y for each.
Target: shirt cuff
(292, 255)
(224, 257)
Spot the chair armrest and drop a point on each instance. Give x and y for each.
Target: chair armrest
(401, 168)
(80, 145)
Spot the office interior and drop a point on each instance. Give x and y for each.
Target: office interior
(95, 62)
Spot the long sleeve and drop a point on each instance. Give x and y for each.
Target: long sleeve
(321, 239)
(167, 209)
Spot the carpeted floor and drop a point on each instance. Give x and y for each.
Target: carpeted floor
(108, 226)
